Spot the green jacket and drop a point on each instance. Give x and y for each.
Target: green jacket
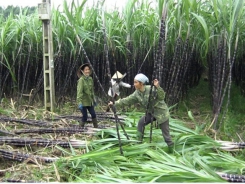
(85, 91)
(157, 107)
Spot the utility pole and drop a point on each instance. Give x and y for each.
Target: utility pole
(44, 12)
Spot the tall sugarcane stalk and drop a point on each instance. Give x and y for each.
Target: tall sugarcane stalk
(128, 14)
(129, 58)
(172, 69)
(180, 73)
(157, 69)
(231, 63)
(25, 71)
(158, 64)
(112, 92)
(218, 68)
(183, 82)
(58, 76)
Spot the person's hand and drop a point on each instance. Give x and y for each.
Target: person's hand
(110, 103)
(80, 106)
(95, 104)
(156, 83)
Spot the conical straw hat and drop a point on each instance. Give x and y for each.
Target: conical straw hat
(118, 75)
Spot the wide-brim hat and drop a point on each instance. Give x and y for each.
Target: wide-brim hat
(118, 75)
(79, 71)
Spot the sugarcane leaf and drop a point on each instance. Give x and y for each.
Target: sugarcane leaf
(205, 29)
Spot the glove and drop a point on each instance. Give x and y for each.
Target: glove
(80, 106)
(95, 104)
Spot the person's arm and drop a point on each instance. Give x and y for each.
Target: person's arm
(93, 94)
(131, 99)
(160, 92)
(126, 85)
(79, 91)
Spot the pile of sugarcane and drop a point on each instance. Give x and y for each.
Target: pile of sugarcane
(189, 40)
(41, 142)
(23, 157)
(101, 116)
(19, 181)
(4, 133)
(25, 121)
(72, 130)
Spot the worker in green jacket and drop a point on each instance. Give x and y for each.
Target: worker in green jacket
(85, 94)
(157, 110)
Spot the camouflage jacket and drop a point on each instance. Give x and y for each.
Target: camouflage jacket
(157, 107)
(85, 91)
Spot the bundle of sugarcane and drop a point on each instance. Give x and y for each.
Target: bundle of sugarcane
(24, 121)
(41, 142)
(3, 132)
(100, 116)
(72, 130)
(53, 130)
(22, 157)
(90, 128)
(19, 181)
(232, 177)
(231, 146)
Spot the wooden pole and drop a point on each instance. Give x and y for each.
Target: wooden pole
(44, 11)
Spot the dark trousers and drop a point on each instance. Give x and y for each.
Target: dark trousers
(145, 120)
(85, 114)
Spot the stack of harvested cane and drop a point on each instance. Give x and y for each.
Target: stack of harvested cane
(22, 157)
(41, 142)
(10, 137)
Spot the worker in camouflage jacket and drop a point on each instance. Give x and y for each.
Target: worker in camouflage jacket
(157, 110)
(85, 94)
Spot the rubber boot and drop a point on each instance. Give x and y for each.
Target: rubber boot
(139, 136)
(171, 148)
(107, 109)
(95, 122)
(82, 124)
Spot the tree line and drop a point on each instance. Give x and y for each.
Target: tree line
(15, 10)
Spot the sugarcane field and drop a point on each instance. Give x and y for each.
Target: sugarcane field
(152, 91)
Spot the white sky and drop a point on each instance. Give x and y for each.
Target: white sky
(23, 3)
